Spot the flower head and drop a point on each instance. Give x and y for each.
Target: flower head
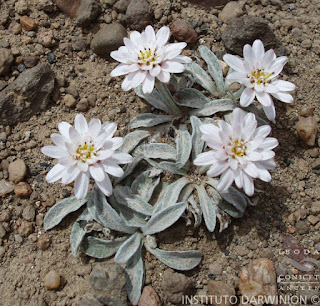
(258, 71)
(83, 151)
(146, 56)
(240, 152)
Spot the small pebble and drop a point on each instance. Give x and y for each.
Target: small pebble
(52, 280)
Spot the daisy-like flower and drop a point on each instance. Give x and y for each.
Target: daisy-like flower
(83, 151)
(240, 152)
(258, 71)
(146, 56)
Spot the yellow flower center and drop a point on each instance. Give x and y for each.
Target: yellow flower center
(260, 77)
(146, 57)
(85, 152)
(238, 148)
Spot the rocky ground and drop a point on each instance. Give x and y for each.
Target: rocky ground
(54, 63)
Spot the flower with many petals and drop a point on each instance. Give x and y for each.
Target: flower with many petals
(258, 71)
(146, 56)
(240, 152)
(83, 151)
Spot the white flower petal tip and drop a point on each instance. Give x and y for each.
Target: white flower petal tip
(240, 152)
(84, 151)
(259, 71)
(146, 56)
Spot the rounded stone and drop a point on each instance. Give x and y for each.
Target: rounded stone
(138, 14)
(17, 171)
(52, 280)
(23, 190)
(183, 31)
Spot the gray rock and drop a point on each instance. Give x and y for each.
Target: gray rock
(2, 231)
(87, 12)
(88, 300)
(6, 59)
(27, 95)
(245, 30)
(17, 171)
(29, 212)
(109, 38)
(108, 282)
(302, 227)
(175, 285)
(69, 7)
(121, 6)
(138, 14)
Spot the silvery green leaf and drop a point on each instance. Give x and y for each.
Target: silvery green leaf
(63, 208)
(178, 260)
(208, 208)
(131, 140)
(184, 146)
(148, 120)
(167, 97)
(126, 197)
(197, 142)
(235, 202)
(128, 248)
(128, 169)
(228, 117)
(153, 99)
(102, 212)
(195, 210)
(191, 97)
(258, 112)
(78, 231)
(164, 218)
(135, 277)
(101, 248)
(167, 166)
(185, 193)
(145, 184)
(159, 151)
(215, 106)
(214, 66)
(170, 194)
(201, 77)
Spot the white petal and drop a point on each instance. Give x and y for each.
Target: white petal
(64, 128)
(148, 84)
(267, 59)
(264, 98)
(110, 129)
(163, 77)
(247, 97)
(217, 168)
(53, 151)
(249, 126)
(80, 124)
(206, 158)
(173, 50)
(183, 59)
(124, 69)
(116, 142)
(81, 185)
(70, 175)
(172, 67)
(122, 55)
(104, 154)
(267, 164)
(251, 169)
(270, 112)
(283, 96)
(234, 62)
(258, 49)
(248, 54)
(55, 173)
(226, 180)
(248, 185)
(121, 158)
(112, 169)
(150, 35)
(94, 127)
(105, 186)
(162, 36)
(155, 71)
(269, 143)
(284, 85)
(262, 131)
(264, 174)
(237, 119)
(267, 155)
(67, 161)
(236, 77)
(131, 46)
(238, 177)
(82, 166)
(271, 88)
(135, 37)
(97, 172)
(74, 135)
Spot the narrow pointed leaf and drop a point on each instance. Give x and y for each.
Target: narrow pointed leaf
(131, 140)
(184, 146)
(128, 248)
(164, 218)
(201, 77)
(178, 260)
(103, 213)
(101, 248)
(197, 142)
(167, 97)
(154, 99)
(185, 193)
(128, 169)
(214, 66)
(208, 209)
(135, 277)
(159, 151)
(215, 106)
(78, 232)
(167, 166)
(125, 196)
(148, 120)
(170, 194)
(145, 184)
(191, 97)
(63, 208)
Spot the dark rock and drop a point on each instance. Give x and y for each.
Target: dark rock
(79, 43)
(121, 6)
(21, 67)
(27, 95)
(183, 31)
(6, 59)
(69, 7)
(31, 60)
(108, 282)
(209, 3)
(87, 12)
(245, 30)
(109, 38)
(302, 227)
(138, 14)
(51, 58)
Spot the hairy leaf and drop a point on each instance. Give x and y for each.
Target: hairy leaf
(63, 208)
(191, 97)
(178, 260)
(184, 145)
(128, 169)
(101, 248)
(197, 142)
(128, 248)
(159, 151)
(148, 120)
(131, 140)
(164, 218)
(215, 106)
(167, 166)
(185, 193)
(167, 97)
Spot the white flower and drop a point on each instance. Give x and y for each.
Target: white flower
(240, 151)
(258, 71)
(147, 56)
(87, 149)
